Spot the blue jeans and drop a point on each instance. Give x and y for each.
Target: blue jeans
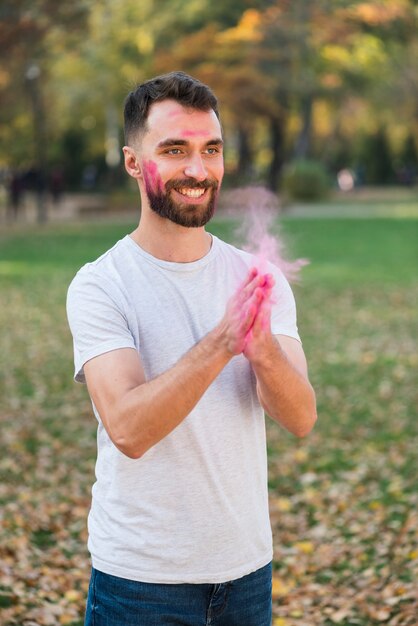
(114, 601)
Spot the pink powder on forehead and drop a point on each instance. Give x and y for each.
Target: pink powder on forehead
(152, 177)
(175, 113)
(195, 133)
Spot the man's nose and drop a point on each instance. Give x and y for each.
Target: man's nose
(195, 168)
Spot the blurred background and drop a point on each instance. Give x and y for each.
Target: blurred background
(319, 102)
(314, 95)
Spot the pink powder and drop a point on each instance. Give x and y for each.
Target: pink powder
(152, 178)
(262, 306)
(195, 133)
(258, 209)
(174, 113)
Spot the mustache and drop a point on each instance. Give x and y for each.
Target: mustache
(190, 183)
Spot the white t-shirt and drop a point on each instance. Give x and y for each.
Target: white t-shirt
(193, 508)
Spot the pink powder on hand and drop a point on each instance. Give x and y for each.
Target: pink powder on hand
(263, 306)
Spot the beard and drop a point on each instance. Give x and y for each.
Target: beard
(184, 214)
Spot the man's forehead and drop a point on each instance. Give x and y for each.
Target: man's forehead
(172, 117)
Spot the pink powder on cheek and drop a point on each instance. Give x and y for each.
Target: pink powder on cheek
(152, 178)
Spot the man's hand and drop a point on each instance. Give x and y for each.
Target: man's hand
(259, 336)
(247, 313)
(278, 362)
(279, 365)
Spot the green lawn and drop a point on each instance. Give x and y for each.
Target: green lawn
(343, 501)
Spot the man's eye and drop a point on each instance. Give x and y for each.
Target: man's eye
(214, 150)
(174, 151)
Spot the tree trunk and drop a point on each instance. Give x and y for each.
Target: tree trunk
(32, 77)
(303, 141)
(277, 149)
(245, 155)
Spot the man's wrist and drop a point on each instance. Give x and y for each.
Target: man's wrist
(266, 353)
(214, 343)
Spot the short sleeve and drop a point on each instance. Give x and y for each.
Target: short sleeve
(283, 316)
(97, 323)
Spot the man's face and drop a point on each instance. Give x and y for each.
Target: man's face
(182, 163)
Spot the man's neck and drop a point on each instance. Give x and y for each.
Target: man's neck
(170, 242)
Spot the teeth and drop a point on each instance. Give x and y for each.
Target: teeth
(192, 193)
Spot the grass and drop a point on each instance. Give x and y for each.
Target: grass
(343, 501)
(367, 202)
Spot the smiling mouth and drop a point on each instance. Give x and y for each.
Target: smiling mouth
(191, 193)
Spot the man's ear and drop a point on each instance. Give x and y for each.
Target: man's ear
(132, 164)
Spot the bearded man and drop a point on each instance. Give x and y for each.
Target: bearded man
(183, 345)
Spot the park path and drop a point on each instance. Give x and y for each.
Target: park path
(96, 206)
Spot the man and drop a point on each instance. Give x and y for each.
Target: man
(182, 343)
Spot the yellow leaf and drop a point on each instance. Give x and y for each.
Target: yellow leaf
(72, 595)
(311, 494)
(66, 618)
(283, 504)
(300, 455)
(280, 621)
(279, 588)
(306, 547)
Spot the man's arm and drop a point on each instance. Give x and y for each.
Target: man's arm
(136, 413)
(283, 386)
(280, 367)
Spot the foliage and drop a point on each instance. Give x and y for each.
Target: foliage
(31, 32)
(294, 78)
(305, 180)
(343, 501)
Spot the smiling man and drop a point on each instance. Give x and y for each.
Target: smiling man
(185, 195)
(183, 345)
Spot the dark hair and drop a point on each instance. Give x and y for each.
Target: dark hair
(185, 89)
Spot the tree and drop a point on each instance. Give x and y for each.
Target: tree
(26, 31)
(378, 159)
(295, 78)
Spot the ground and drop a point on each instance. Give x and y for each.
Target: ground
(343, 500)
